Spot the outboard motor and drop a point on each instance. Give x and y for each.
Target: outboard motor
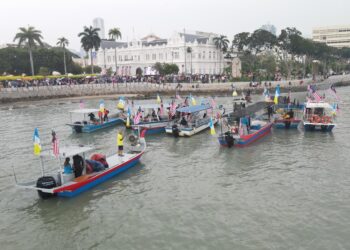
(78, 129)
(229, 140)
(175, 130)
(133, 139)
(46, 182)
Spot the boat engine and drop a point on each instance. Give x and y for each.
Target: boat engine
(46, 182)
(175, 130)
(133, 139)
(78, 128)
(229, 140)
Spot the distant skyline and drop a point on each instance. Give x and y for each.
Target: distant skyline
(137, 18)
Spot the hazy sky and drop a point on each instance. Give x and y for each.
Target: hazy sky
(56, 18)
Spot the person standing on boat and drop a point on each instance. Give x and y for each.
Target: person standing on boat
(67, 168)
(105, 117)
(120, 143)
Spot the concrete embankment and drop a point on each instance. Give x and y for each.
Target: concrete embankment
(146, 90)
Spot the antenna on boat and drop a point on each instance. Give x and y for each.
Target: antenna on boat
(14, 173)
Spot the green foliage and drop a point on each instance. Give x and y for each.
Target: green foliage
(97, 69)
(114, 34)
(221, 43)
(166, 68)
(90, 39)
(15, 61)
(29, 36)
(44, 71)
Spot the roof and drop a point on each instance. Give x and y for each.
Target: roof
(111, 44)
(155, 42)
(69, 151)
(190, 38)
(318, 105)
(194, 108)
(83, 111)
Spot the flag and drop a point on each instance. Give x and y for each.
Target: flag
(137, 118)
(212, 102)
(234, 93)
(178, 96)
(212, 128)
(316, 96)
(121, 104)
(173, 108)
(158, 99)
(161, 110)
(102, 106)
(36, 141)
(81, 104)
(128, 118)
(193, 101)
(240, 129)
(334, 92)
(277, 94)
(55, 142)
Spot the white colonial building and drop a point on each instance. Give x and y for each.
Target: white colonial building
(127, 57)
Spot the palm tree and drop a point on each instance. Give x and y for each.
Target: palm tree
(29, 37)
(221, 43)
(63, 42)
(189, 50)
(115, 34)
(90, 40)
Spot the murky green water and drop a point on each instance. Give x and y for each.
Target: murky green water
(290, 190)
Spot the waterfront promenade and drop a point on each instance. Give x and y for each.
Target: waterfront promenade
(144, 90)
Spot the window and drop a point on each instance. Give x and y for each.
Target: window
(108, 59)
(203, 54)
(125, 58)
(176, 55)
(120, 58)
(138, 57)
(166, 56)
(154, 57)
(160, 56)
(209, 54)
(213, 54)
(199, 55)
(147, 57)
(113, 58)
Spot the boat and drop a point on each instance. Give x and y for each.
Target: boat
(151, 120)
(87, 121)
(243, 135)
(191, 120)
(318, 116)
(287, 116)
(59, 183)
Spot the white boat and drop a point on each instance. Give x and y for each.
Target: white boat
(191, 120)
(318, 116)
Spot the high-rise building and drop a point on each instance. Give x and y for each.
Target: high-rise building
(99, 23)
(270, 28)
(335, 36)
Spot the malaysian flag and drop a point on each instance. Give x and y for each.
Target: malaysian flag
(173, 108)
(137, 117)
(81, 104)
(178, 96)
(212, 102)
(55, 142)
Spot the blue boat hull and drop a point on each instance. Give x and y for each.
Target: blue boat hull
(321, 128)
(92, 127)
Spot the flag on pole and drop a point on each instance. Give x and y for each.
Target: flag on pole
(212, 102)
(121, 104)
(193, 100)
(55, 146)
(178, 96)
(277, 94)
(36, 141)
(137, 117)
(102, 105)
(212, 128)
(161, 109)
(128, 118)
(158, 99)
(81, 104)
(173, 108)
(234, 93)
(334, 92)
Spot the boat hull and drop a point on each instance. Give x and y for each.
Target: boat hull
(151, 128)
(79, 187)
(246, 140)
(318, 127)
(287, 124)
(88, 128)
(187, 132)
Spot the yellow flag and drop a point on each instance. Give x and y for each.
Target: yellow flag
(127, 122)
(212, 130)
(275, 99)
(234, 93)
(193, 101)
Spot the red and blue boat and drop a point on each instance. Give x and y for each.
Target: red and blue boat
(245, 134)
(94, 171)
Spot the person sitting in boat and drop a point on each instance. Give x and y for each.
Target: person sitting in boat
(183, 121)
(67, 168)
(78, 165)
(105, 117)
(154, 115)
(92, 117)
(94, 166)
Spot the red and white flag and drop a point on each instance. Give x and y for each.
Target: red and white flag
(316, 96)
(137, 118)
(55, 144)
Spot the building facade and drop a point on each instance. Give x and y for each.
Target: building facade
(126, 57)
(99, 23)
(335, 36)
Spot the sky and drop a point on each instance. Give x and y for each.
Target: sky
(137, 18)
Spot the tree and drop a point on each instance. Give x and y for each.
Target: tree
(44, 71)
(221, 43)
(115, 34)
(241, 41)
(63, 42)
(90, 40)
(262, 40)
(29, 37)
